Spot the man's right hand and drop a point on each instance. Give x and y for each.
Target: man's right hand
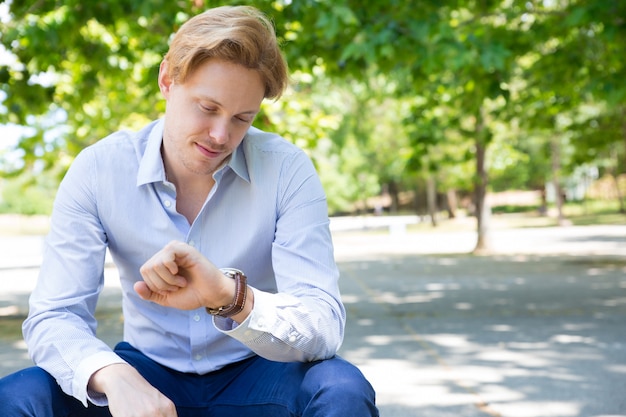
(129, 394)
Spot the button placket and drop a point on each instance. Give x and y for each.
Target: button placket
(197, 335)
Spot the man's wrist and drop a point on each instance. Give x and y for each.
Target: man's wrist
(98, 381)
(239, 301)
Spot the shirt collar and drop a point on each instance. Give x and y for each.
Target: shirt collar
(151, 167)
(238, 161)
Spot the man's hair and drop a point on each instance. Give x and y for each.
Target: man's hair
(238, 34)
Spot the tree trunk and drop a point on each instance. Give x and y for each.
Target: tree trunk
(622, 208)
(420, 209)
(395, 197)
(543, 209)
(483, 211)
(620, 198)
(431, 199)
(556, 169)
(452, 203)
(615, 176)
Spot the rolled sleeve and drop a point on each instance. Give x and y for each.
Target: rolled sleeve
(283, 328)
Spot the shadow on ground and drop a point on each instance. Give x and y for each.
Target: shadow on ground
(501, 336)
(456, 335)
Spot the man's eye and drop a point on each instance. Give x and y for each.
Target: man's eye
(207, 109)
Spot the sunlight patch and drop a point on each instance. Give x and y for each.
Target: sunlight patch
(523, 359)
(9, 311)
(501, 328)
(569, 338)
(538, 409)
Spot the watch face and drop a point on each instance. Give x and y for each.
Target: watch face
(231, 272)
(213, 311)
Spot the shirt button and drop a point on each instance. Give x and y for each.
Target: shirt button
(292, 338)
(192, 243)
(196, 317)
(167, 203)
(198, 357)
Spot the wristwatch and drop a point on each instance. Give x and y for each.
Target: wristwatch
(241, 290)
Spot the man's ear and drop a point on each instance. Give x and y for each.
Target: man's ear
(165, 82)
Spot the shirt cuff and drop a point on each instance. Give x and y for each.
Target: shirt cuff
(261, 320)
(83, 373)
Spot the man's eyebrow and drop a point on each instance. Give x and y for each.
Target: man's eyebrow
(214, 101)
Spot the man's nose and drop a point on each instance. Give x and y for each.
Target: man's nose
(219, 131)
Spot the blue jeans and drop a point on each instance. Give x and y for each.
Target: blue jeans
(254, 387)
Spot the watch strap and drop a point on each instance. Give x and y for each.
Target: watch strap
(241, 292)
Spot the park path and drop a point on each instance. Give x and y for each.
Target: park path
(534, 330)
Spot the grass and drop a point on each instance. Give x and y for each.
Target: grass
(508, 217)
(108, 320)
(11, 327)
(594, 212)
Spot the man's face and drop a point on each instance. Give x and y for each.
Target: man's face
(207, 117)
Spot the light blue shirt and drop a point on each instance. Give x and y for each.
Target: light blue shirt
(266, 215)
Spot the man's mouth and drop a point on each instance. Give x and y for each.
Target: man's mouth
(209, 153)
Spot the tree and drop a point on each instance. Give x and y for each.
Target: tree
(442, 81)
(573, 88)
(84, 61)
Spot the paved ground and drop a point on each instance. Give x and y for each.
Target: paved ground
(535, 330)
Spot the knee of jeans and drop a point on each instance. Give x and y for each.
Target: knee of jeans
(336, 376)
(34, 381)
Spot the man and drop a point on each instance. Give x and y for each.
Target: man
(220, 235)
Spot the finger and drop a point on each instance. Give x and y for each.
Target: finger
(169, 262)
(142, 289)
(164, 257)
(160, 278)
(166, 280)
(184, 255)
(155, 283)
